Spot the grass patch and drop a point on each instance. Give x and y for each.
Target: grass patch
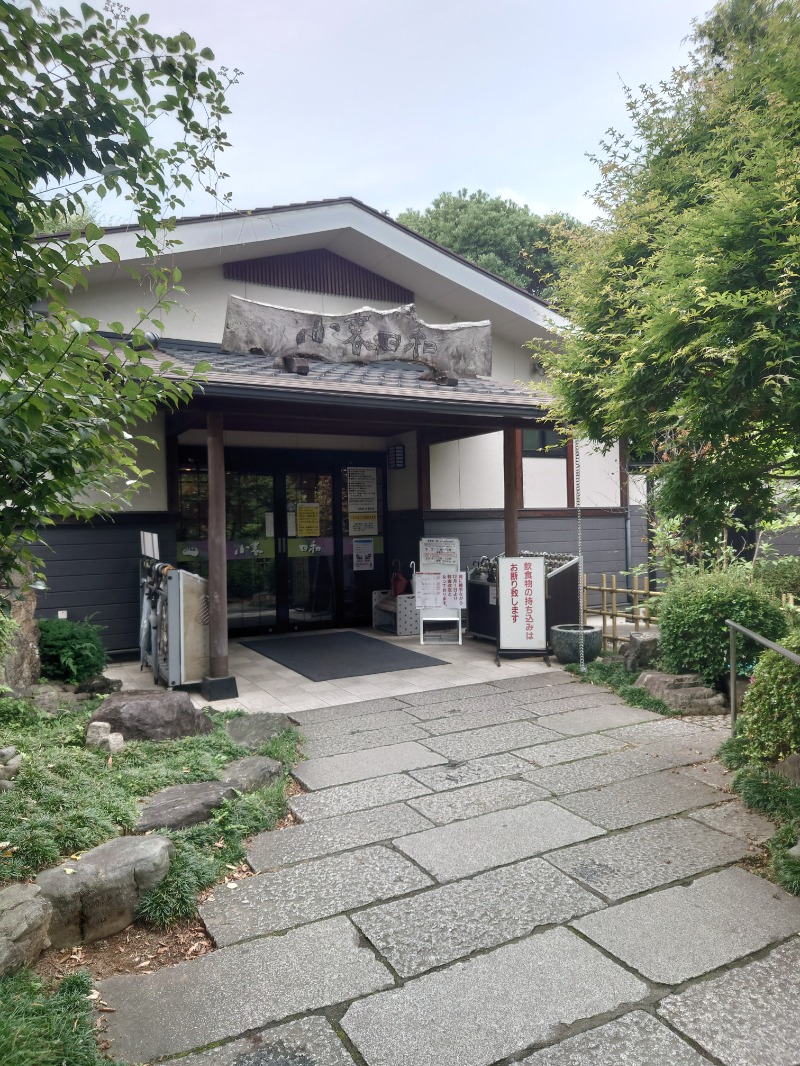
(612, 673)
(68, 799)
(45, 1026)
(768, 792)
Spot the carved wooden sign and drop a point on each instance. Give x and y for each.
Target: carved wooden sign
(367, 335)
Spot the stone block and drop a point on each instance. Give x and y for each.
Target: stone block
(463, 848)
(597, 717)
(543, 681)
(358, 796)
(96, 731)
(640, 651)
(447, 923)
(469, 802)
(640, 799)
(647, 857)
(182, 805)
(478, 1012)
(790, 768)
(431, 697)
(97, 895)
(253, 730)
(747, 1015)
(359, 766)
(307, 1042)
(99, 686)
(321, 888)
(460, 719)
(113, 743)
(636, 1039)
(600, 770)
(683, 692)
(6, 755)
(152, 715)
(567, 751)
(238, 989)
(472, 772)
(475, 743)
(683, 932)
(357, 724)
(252, 773)
(314, 715)
(25, 915)
(335, 744)
(329, 835)
(9, 770)
(734, 818)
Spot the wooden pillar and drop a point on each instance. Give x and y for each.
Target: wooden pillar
(218, 684)
(511, 483)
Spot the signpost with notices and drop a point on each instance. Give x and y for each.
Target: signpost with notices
(521, 594)
(441, 585)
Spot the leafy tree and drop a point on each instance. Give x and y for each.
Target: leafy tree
(82, 98)
(499, 235)
(684, 305)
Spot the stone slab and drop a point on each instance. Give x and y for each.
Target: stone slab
(279, 847)
(600, 770)
(640, 799)
(463, 720)
(455, 774)
(360, 766)
(736, 819)
(253, 730)
(358, 796)
(181, 805)
(469, 802)
(747, 1016)
(307, 1042)
(271, 902)
(636, 1039)
(563, 751)
(554, 679)
(446, 695)
(597, 718)
(231, 991)
(463, 848)
(699, 747)
(572, 702)
(345, 710)
(648, 857)
(678, 933)
(663, 729)
(477, 1012)
(710, 773)
(447, 923)
(25, 915)
(356, 724)
(475, 743)
(496, 703)
(252, 773)
(337, 744)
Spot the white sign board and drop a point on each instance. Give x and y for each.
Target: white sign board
(521, 604)
(441, 590)
(363, 553)
(439, 554)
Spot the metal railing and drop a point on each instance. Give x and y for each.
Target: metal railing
(735, 628)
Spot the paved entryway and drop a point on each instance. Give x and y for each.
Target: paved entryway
(522, 870)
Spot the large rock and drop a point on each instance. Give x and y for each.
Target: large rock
(683, 692)
(25, 915)
(256, 729)
(20, 665)
(152, 714)
(99, 686)
(790, 768)
(97, 895)
(639, 652)
(181, 805)
(248, 775)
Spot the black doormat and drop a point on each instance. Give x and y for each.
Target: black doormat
(326, 656)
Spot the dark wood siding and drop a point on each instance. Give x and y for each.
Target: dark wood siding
(318, 271)
(93, 571)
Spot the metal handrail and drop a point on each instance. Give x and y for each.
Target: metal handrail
(735, 628)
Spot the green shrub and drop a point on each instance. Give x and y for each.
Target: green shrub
(769, 726)
(70, 651)
(780, 576)
(691, 618)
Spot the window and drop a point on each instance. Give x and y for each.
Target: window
(543, 444)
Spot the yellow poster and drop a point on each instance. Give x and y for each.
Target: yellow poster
(307, 520)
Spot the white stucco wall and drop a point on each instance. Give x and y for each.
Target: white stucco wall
(599, 475)
(149, 457)
(637, 490)
(544, 482)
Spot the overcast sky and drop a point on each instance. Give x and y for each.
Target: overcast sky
(394, 103)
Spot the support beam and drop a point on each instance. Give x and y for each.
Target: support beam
(511, 484)
(218, 684)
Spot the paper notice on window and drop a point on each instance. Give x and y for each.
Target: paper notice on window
(362, 522)
(362, 489)
(269, 524)
(308, 520)
(438, 552)
(363, 553)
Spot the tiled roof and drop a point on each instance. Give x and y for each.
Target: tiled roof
(383, 380)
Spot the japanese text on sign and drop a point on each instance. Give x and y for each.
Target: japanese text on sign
(439, 551)
(441, 590)
(521, 602)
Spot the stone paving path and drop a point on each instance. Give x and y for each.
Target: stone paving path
(521, 871)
